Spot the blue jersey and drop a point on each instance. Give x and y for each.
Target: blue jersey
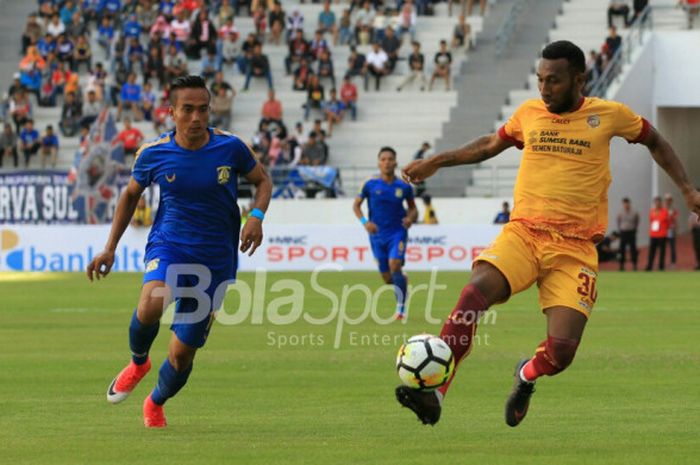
(198, 210)
(386, 203)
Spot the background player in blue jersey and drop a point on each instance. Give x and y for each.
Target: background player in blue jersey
(388, 222)
(196, 231)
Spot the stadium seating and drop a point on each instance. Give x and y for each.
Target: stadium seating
(386, 117)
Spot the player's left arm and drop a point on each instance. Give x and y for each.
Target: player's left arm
(252, 234)
(411, 213)
(663, 154)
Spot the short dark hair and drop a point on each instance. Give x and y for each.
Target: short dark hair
(626, 200)
(387, 149)
(567, 50)
(427, 198)
(187, 82)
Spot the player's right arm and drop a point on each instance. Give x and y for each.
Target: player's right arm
(357, 208)
(102, 263)
(476, 151)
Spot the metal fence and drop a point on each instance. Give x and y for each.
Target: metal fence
(623, 55)
(508, 26)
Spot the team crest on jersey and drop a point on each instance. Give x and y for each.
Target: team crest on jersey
(399, 192)
(224, 174)
(594, 121)
(152, 265)
(170, 178)
(532, 137)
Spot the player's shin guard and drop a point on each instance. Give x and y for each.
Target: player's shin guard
(170, 381)
(552, 356)
(140, 339)
(400, 288)
(459, 329)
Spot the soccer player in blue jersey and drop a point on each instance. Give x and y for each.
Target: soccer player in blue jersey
(388, 222)
(195, 233)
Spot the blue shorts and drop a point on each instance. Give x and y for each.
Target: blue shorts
(191, 322)
(387, 247)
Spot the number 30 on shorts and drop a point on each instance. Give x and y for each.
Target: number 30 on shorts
(587, 287)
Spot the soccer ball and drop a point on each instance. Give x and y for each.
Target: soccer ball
(425, 362)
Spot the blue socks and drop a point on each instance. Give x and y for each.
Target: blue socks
(170, 381)
(401, 289)
(140, 339)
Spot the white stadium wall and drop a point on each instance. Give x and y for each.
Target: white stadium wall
(300, 247)
(663, 85)
(453, 211)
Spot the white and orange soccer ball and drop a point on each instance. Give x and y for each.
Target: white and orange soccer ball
(425, 362)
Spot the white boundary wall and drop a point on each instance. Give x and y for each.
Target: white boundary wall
(285, 248)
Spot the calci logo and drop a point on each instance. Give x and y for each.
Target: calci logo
(12, 256)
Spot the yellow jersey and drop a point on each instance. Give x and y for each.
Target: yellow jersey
(142, 217)
(429, 217)
(562, 183)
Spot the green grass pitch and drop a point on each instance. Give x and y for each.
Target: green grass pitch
(632, 395)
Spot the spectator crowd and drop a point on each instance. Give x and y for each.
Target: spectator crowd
(85, 55)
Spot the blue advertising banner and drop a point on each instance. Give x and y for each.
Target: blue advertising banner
(86, 194)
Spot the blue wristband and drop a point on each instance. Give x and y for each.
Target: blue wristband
(363, 220)
(257, 213)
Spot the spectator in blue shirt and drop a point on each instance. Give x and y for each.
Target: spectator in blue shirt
(166, 8)
(334, 109)
(130, 97)
(504, 215)
(89, 9)
(46, 44)
(29, 141)
(64, 50)
(49, 148)
(210, 64)
(105, 35)
(67, 12)
(109, 7)
(31, 80)
(131, 28)
(326, 21)
(135, 54)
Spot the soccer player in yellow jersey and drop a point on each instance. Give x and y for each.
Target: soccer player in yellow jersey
(560, 212)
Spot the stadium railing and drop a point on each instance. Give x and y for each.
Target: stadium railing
(508, 26)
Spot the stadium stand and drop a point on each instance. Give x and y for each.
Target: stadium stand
(382, 117)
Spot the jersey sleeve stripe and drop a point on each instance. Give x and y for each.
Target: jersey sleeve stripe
(643, 133)
(504, 136)
(163, 140)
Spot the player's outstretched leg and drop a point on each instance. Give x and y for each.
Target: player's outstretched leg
(172, 376)
(519, 400)
(487, 285)
(564, 327)
(141, 338)
(143, 329)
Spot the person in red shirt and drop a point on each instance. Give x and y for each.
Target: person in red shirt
(130, 137)
(271, 110)
(160, 116)
(348, 95)
(658, 230)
